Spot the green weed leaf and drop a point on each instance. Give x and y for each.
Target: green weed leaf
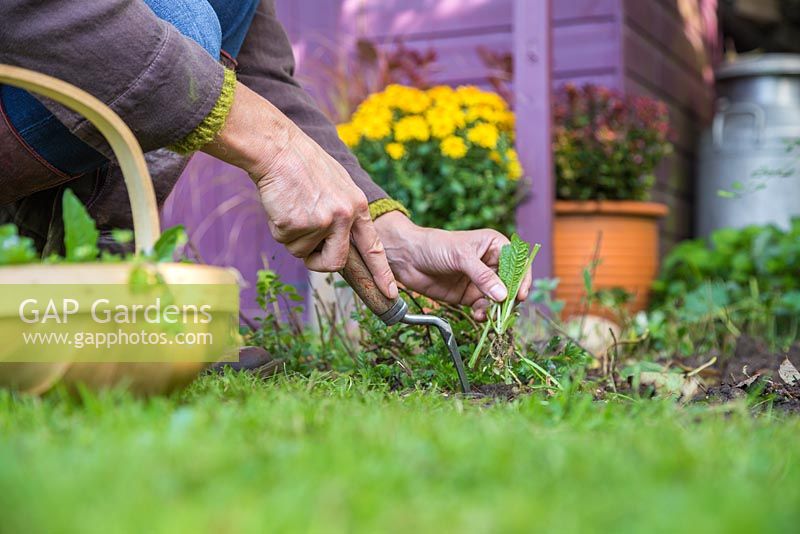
(168, 243)
(15, 249)
(513, 261)
(80, 231)
(791, 302)
(122, 235)
(587, 281)
(505, 269)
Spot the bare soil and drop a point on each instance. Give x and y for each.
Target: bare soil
(498, 391)
(752, 370)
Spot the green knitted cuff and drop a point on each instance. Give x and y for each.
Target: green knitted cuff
(208, 129)
(383, 206)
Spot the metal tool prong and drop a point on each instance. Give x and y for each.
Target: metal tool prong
(449, 339)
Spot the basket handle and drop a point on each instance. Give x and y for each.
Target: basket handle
(125, 146)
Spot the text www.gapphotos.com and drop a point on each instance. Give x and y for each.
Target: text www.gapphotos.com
(97, 340)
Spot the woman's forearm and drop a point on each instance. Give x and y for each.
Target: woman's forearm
(253, 135)
(312, 204)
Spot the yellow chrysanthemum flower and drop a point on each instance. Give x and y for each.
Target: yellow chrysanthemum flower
(375, 128)
(395, 150)
(441, 92)
(441, 121)
(412, 128)
(484, 135)
(453, 147)
(484, 113)
(473, 96)
(373, 110)
(494, 100)
(442, 129)
(469, 94)
(506, 121)
(348, 134)
(514, 167)
(408, 99)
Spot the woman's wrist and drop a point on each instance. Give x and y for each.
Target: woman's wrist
(397, 232)
(254, 135)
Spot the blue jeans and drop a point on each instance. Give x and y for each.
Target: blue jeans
(214, 24)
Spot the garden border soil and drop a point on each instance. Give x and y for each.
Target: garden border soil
(751, 371)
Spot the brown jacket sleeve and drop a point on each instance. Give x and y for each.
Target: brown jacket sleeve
(266, 65)
(161, 83)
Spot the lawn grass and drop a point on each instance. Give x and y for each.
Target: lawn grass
(319, 455)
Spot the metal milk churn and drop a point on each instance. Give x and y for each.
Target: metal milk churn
(749, 163)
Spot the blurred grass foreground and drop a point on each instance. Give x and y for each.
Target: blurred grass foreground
(237, 454)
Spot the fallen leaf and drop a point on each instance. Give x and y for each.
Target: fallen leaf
(788, 372)
(746, 383)
(677, 384)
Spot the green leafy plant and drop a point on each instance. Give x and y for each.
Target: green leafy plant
(542, 293)
(607, 146)
(81, 241)
(280, 329)
(516, 259)
(168, 243)
(80, 230)
(15, 249)
(355, 342)
(742, 280)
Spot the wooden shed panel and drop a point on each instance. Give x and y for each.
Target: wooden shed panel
(667, 52)
(609, 78)
(675, 82)
(457, 59)
(583, 9)
(674, 174)
(669, 33)
(684, 125)
(386, 19)
(583, 53)
(585, 48)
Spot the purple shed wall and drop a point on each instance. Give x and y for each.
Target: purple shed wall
(586, 34)
(658, 47)
(669, 48)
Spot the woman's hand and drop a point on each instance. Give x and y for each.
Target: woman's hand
(312, 204)
(456, 267)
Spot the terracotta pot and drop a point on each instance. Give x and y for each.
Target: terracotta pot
(627, 235)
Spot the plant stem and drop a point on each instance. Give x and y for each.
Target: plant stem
(511, 299)
(543, 372)
(479, 347)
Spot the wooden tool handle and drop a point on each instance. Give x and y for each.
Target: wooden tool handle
(358, 275)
